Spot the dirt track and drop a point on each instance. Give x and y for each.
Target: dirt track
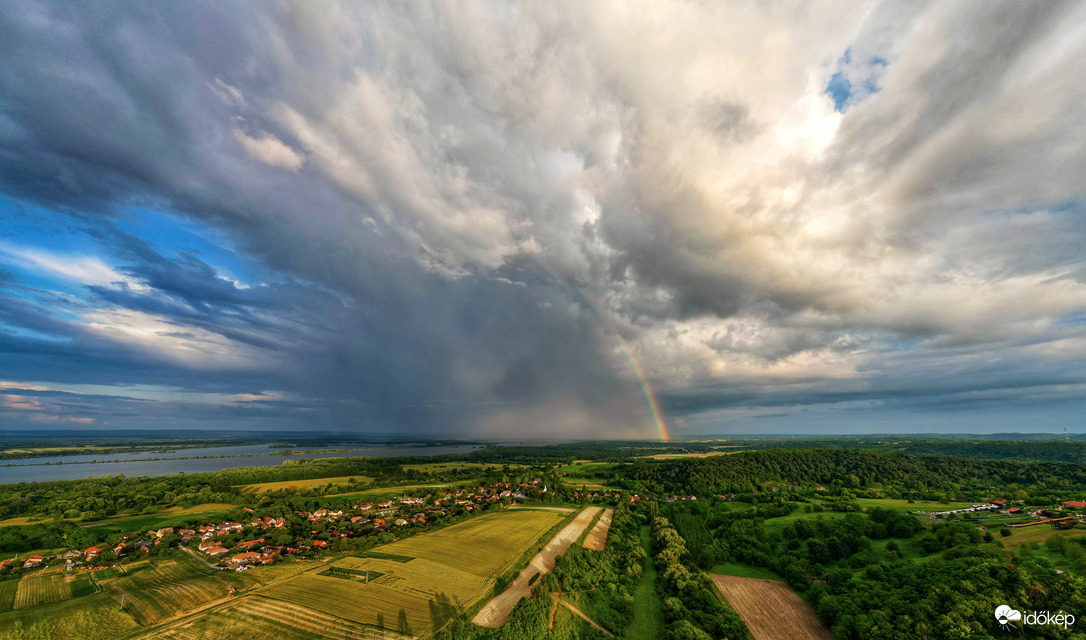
(597, 537)
(771, 609)
(497, 611)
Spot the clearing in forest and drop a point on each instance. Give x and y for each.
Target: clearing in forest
(597, 537)
(497, 611)
(416, 585)
(771, 609)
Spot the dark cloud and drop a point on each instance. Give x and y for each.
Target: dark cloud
(457, 214)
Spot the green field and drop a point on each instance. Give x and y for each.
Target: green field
(451, 568)
(648, 620)
(314, 483)
(257, 618)
(7, 594)
(155, 591)
(36, 589)
(744, 571)
(439, 467)
(384, 492)
(1037, 533)
(165, 518)
(94, 617)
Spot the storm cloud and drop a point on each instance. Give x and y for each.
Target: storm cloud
(481, 218)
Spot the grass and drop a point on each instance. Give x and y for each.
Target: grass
(648, 621)
(94, 617)
(448, 570)
(905, 505)
(745, 571)
(165, 518)
(300, 485)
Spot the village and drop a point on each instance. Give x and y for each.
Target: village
(269, 538)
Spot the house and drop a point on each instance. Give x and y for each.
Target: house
(1014, 510)
(400, 522)
(1074, 504)
(385, 505)
(320, 513)
(92, 552)
(33, 561)
(218, 551)
(243, 559)
(248, 544)
(357, 519)
(119, 549)
(208, 544)
(364, 507)
(319, 544)
(71, 554)
(163, 532)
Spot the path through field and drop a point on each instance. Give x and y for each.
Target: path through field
(578, 612)
(771, 609)
(497, 611)
(597, 537)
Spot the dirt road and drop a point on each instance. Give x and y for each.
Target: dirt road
(597, 537)
(497, 611)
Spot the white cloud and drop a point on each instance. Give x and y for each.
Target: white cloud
(270, 150)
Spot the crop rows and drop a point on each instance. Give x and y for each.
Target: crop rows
(158, 593)
(42, 589)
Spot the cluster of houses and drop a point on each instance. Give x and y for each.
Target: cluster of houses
(1004, 507)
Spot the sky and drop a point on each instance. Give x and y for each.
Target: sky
(543, 220)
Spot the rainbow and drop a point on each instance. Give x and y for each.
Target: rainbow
(635, 363)
(646, 389)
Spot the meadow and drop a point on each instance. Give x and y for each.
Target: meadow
(447, 570)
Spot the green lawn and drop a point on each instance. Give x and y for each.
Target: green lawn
(648, 621)
(94, 617)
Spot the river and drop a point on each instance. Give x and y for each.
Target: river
(138, 464)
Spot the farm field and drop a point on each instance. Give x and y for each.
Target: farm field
(771, 609)
(597, 537)
(313, 483)
(447, 569)
(164, 518)
(159, 591)
(7, 594)
(257, 618)
(497, 611)
(94, 617)
(381, 492)
(42, 589)
(438, 467)
(1038, 533)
